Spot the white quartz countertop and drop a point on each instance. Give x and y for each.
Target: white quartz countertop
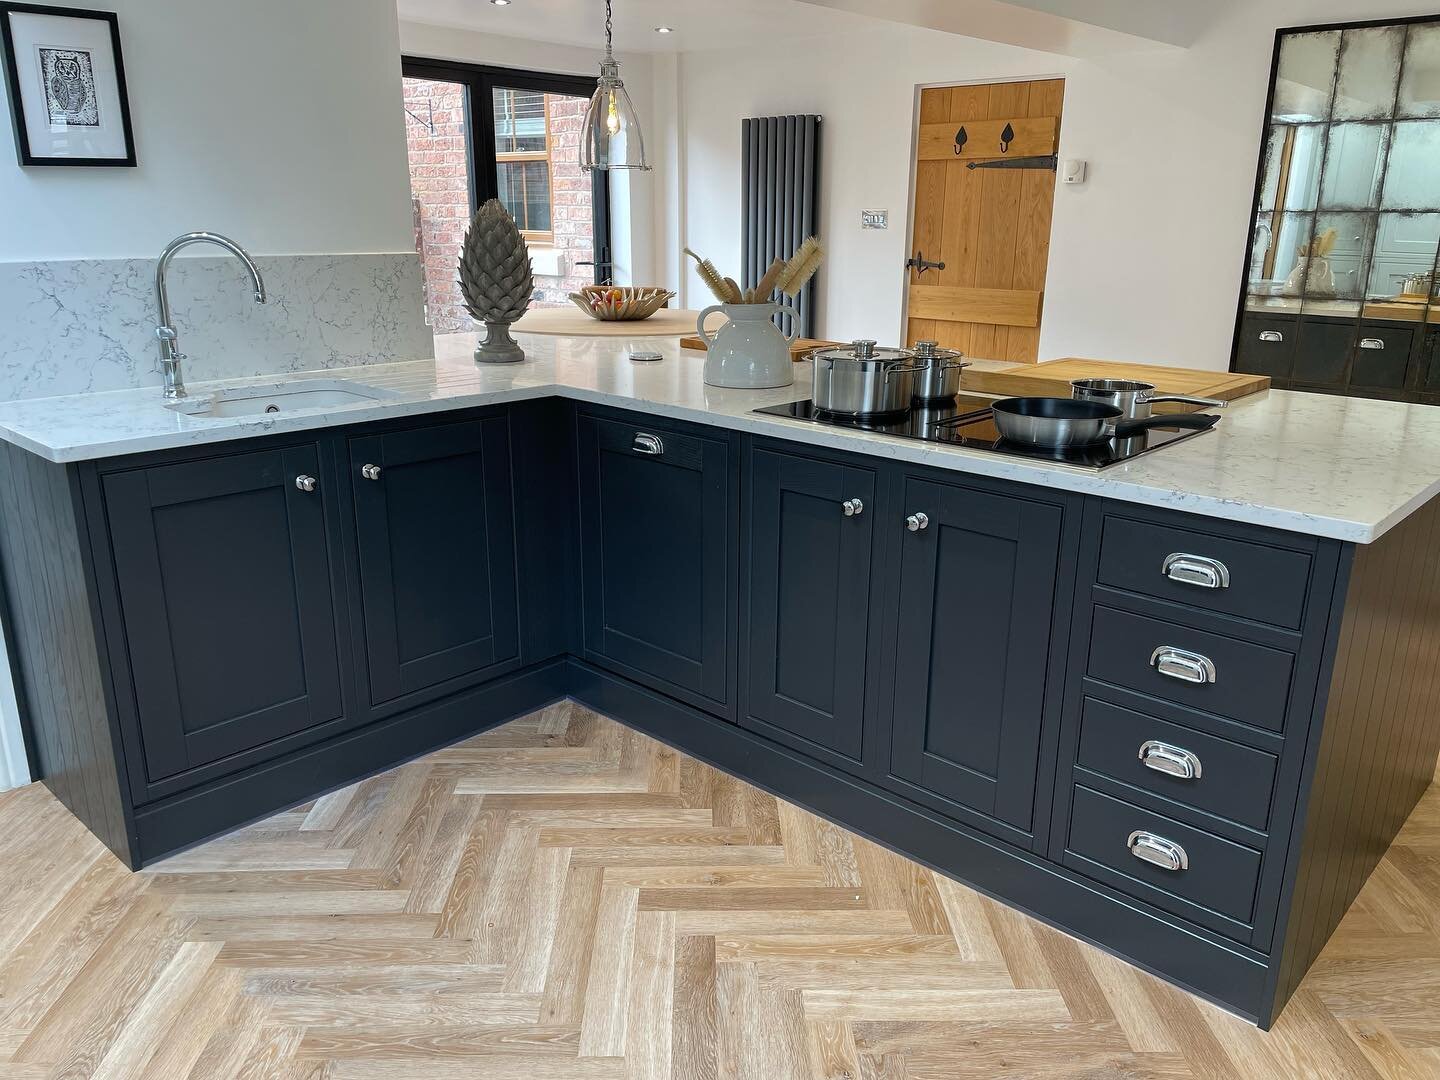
(1346, 468)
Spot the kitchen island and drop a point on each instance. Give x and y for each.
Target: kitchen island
(1177, 707)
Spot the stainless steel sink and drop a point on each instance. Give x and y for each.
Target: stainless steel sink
(284, 397)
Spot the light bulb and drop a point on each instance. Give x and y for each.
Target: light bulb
(612, 117)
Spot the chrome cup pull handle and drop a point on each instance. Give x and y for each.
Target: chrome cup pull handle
(1271, 335)
(1171, 760)
(1372, 343)
(1157, 851)
(648, 444)
(1196, 570)
(1183, 664)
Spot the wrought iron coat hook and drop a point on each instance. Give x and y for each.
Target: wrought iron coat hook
(961, 138)
(1006, 138)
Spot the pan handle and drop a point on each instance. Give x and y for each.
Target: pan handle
(1198, 421)
(1209, 403)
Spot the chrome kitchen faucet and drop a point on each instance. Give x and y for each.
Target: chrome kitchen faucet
(170, 354)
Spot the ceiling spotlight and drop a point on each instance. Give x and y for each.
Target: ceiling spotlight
(664, 30)
(500, 3)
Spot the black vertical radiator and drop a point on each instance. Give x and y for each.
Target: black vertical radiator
(780, 159)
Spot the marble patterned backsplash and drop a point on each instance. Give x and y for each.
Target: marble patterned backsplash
(84, 325)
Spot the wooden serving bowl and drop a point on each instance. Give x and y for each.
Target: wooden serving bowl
(631, 304)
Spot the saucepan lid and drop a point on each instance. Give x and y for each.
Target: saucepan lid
(862, 350)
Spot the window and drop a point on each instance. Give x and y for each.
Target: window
(522, 159)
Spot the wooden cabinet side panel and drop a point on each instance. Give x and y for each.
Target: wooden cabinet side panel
(56, 653)
(1377, 743)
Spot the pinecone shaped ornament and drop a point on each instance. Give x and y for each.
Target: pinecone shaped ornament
(496, 280)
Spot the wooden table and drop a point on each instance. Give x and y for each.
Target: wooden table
(570, 321)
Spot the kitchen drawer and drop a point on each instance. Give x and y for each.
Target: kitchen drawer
(1260, 352)
(1244, 681)
(1230, 780)
(1216, 886)
(1323, 351)
(1382, 356)
(1233, 577)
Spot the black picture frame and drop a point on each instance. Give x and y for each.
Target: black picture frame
(14, 91)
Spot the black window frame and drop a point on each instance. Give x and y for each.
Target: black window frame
(480, 82)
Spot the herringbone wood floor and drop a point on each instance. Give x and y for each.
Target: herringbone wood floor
(565, 898)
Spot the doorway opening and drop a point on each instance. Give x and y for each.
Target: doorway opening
(475, 133)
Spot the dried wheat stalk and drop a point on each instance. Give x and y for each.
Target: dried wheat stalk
(708, 274)
(767, 283)
(801, 267)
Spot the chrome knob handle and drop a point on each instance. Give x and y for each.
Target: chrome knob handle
(1183, 664)
(370, 472)
(917, 521)
(853, 507)
(648, 444)
(306, 483)
(1170, 760)
(1157, 851)
(1196, 570)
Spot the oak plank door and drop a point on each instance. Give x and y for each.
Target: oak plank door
(809, 602)
(977, 587)
(435, 525)
(656, 526)
(227, 599)
(990, 227)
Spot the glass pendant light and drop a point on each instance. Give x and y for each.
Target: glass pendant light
(612, 137)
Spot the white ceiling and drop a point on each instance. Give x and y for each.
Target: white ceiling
(698, 24)
(1074, 27)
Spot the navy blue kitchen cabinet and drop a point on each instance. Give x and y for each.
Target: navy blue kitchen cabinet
(980, 579)
(658, 552)
(1183, 739)
(435, 538)
(226, 602)
(809, 595)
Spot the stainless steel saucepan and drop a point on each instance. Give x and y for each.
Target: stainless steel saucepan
(1131, 397)
(1062, 423)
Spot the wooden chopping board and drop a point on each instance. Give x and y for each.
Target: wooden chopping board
(799, 348)
(1052, 379)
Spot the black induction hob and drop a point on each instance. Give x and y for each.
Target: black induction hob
(967, 422)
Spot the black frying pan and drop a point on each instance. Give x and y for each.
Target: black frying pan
(1060, 423)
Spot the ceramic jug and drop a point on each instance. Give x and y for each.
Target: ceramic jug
(749, 351)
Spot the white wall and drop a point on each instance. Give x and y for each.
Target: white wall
(1145, 259)
(273, 121)
(632, 213)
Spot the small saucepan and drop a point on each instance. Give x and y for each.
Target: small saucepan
(1131, 397)
(1061, 423)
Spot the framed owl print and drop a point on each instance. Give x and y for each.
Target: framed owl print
(66, 84)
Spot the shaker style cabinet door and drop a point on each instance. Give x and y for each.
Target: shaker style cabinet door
(435, 529)
(977, 583)
(811, 535)
(227, 602)
(656, 520)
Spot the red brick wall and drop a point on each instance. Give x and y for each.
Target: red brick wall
(439, 187)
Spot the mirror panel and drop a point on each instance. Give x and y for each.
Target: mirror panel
(1412, 182)
(1369, 73)
(1420, 82)
(1403, 265)
(1305, 80)
(1354, 165)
